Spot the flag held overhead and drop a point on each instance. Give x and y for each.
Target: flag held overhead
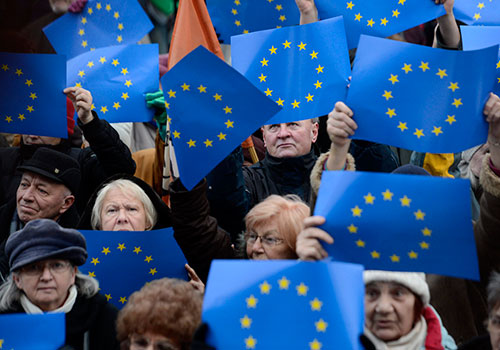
(211, 109)
(32, 99)
(118, 78)
(296, 67)
(123, 262)
(283, 304)
(421, 98)
(480, 12)
(428, 229)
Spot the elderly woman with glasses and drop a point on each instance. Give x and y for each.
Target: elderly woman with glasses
(272, 227)
(164, 315)
(44, 259)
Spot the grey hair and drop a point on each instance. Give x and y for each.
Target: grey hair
(123, 185)
(315, 120)
(493, 291)
(10, 294)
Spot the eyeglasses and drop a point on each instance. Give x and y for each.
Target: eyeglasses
(141, 342)
(55, 267)
(269, 241)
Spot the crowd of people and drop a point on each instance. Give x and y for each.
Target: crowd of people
(52, 187)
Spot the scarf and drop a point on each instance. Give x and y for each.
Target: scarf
(414, 340)
(31, 308)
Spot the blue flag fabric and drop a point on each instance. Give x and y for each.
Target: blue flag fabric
(123, 262)
(100, 24)
(399, 222)
(296, 67)
(378, 18)
(233, 17)
(421, 98)
(118, 78)
(478, 12)
(32, 101)
(32, 332)
(211, 109)
(479, 37)
(283, 304)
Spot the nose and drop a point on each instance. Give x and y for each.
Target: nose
(283, 131)
(257, 245)
(46, 274)
(122, 216)
(28, 194)
(384, 304)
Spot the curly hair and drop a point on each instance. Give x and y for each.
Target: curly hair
(168, 306)
(287, 211)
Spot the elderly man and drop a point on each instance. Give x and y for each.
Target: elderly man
(46, 191)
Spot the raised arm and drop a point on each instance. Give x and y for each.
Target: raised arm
(447, 34)
(308, 11)
(340, 127)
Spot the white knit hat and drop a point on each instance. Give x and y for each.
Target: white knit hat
(414, 281)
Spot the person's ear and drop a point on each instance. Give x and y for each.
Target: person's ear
(68, 202)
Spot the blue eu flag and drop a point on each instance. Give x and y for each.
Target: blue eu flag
(479, 37)
(118, 78)
(32, 101)
(32, 332)
(123, 262)
(101, 23)
(399, 222)
(480, 12)
(211, 110)
(233, 17)
(297, 67)
(378, 18)
(283, 304)
(421, 98)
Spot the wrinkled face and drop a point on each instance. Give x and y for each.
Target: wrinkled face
(290, 139)
(266, 243)
(151, 341)
(60, 6)
(494, 327)
(121, 211)
(389, 310)
(38, 197)
(40, 140)
(46, 283)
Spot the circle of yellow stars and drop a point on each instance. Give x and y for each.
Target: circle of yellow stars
(217, 99)
(405, 202)
(480, 6)
(283, 284)
(406, 69)
(265, 62)
(121, 247)
(30, 106)
(100, 7)
(370, 21)
(236, 9)
(123, 71)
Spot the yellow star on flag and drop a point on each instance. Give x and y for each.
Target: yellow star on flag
(316, 304)
(202, 88)
(105, 250)
(424, 245)
(356, 211)
(437, 130)
(250, 342)
(302, 289)
(234, 12)
(279, 7)
(246, 322)
(477, 16)
(33, 96)
(295, 104)
(120, 26)
(313, 55)
(102, 59)
(309, 97)
(191, 143)
(358, 17)
(123, 300)
(95, 261)
(424, 66)
(137, 250)
(321, 325)
(221, 136)
(394, 79)
(442, 73)
(394, 258)
(268, 92)
(208, 143)
(265, 287)
(350, 5)
(148, 259)
(319, 68)
(81, 73)
(84, 20)
(124, 71)
(251, 301)
(81, 32)
(280, 102)
(315, 345)
(152, 271)
(391, 112)
(98, 6)
(21, 116)
(108, 7)
(5, 67)
(108, 297)
(318, 84)
(282, 18)
(387, 195)
(284, 283)
(375, 254)
(229, 123)
(19, 72)
(352, 228)
(116, 105)
(121, 246)
(30, 109)
(125, 95)
(115, 62)
(264, 62)
(91, 273)
(104, 109)
(384, 21)
(419, 133)
(217, 97)
(171, 93)
(407, 68)
(453, 86)
(370, 22)
(262, 77)
(419, 215)
(177, 135)
(286, 44)
(237, 23)
(8, 119)
(413, 255)
(457, 102)
(426, 231)
(90, 11)
(129, 82)
(28, 82)
(401, 2)
(360, 243)
(369, 199)
(90, 64)
(301, 46)
(480, 5)
(405, 201)
(272, 50)
(84, 43)
(387, 95)
(450, 119)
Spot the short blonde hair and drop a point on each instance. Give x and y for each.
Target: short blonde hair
(125, 186)
(287, 211)
(168, 306)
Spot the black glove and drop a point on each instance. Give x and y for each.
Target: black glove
(367, 344)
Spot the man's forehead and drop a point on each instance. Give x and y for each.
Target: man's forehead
(40, 179)
(302, 122)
